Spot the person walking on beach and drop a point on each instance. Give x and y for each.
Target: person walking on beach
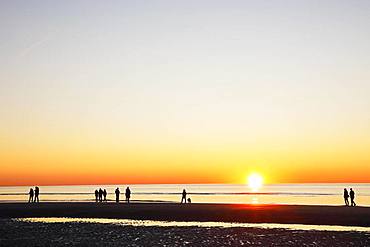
(128, 194)
(346, 195)
(37, 192)
(100, 195)
(183, 196)
(352, 195)
(117, 195)
(96, 195)
(31, 196)
(105, 194)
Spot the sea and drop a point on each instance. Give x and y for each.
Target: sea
(294, 194)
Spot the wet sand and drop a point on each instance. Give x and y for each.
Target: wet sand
(288, 214)
(20, 233)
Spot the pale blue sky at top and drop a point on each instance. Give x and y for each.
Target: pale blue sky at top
(271, 73)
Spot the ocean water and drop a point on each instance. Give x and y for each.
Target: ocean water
(299, 194)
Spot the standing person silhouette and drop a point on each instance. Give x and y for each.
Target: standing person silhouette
(105, 194)
(183, 198)
(100, 195)
(128, 194)
(117, 195)
(96, 195)
(31, 195)
(37, 192)
(352, 195)
(346, 195)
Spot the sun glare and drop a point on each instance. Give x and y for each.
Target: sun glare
(255, 181)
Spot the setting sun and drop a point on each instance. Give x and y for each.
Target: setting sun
(255, 181)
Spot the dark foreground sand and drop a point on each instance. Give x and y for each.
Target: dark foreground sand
(20, 233)
(315, 215)
(17, 233)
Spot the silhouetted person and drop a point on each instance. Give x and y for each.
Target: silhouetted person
(31, 195)
(117, 194)
(96, 195)
(346, 195)
(128, 194)
(352, 195)
(105, 195)
(100, 195)
(37, 192)
(183, 198)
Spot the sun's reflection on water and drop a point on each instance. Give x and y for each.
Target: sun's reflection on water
(255, 200)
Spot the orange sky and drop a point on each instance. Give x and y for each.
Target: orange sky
(51, 161)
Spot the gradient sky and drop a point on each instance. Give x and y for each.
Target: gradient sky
(184, 91)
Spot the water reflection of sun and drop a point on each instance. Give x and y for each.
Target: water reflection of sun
(255, 181)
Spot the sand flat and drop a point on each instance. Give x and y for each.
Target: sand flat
(20, 233)
(243, 213)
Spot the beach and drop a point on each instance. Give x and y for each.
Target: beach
(17, 230)
(245, 213)
(18, 233)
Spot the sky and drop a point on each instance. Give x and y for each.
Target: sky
(184, 91)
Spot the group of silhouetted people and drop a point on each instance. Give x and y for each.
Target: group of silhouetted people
(34, 195)
(347, 195)
(101, 195)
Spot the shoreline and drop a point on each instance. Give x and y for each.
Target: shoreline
(202, 212)
(177, 202)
